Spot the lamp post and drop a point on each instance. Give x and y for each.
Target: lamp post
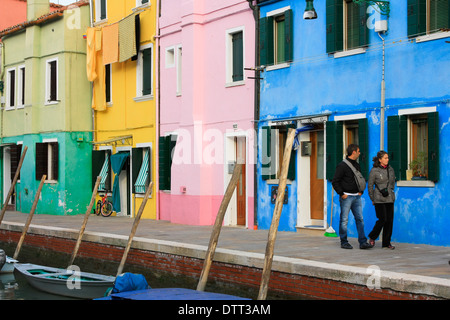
(310, 12)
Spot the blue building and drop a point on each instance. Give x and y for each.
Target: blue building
(374, 75)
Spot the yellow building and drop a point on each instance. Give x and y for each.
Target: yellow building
(121, 63)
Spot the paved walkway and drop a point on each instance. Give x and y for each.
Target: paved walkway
(306, 251)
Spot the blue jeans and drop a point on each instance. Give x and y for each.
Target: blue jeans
(351, 203)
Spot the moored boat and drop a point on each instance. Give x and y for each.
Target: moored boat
(65, 282)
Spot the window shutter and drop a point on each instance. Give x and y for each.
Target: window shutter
(136, 163)
(417, 19)
(363, 137)
(266, 155)
(398, 145)
(335, 25)
(41, 160)
(266, 40)
(98, 158)
(53, 81)
(291, 169)
(433, 146)
(16, 151)
(146, 72)
(335, 144)
(238, 59)
(363, 30)
(55, 160)
(289, 35)
(164, 163)
(108, 82)
(102, 9)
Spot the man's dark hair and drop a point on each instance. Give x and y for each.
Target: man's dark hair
(352, 147)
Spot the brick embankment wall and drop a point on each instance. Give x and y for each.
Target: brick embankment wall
(285, 284)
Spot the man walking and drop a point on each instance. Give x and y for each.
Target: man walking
(344, 183)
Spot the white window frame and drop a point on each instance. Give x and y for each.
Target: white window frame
(139, 4)
(139, 75)
(229, 55)
(8, 105)
(20, 87)
(50, 175)
(170, 57)
(98, 11)
(48, 81)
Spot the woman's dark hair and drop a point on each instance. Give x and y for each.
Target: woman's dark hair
(380, 154)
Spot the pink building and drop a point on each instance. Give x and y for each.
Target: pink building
(206, 110)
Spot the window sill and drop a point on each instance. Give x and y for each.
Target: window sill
(143, 98)
(141, 7)
(433, 36)
(278, 66)
(50, 103)
(141, 195)
(101, 22)
(234, 84)
(416, 183)
(277, 181)
(51, 181)
(347, 53)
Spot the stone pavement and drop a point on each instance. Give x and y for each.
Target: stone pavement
(416, 268)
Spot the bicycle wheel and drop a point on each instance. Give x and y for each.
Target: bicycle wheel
(99, 207)
(107, 209)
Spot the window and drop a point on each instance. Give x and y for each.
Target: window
(101, 10)
(15, 151)
(140, 3)
(11, 89)
(21, 87)
(413, 144)
(144, 80)
(273, 144)
(234, 55)
(170, 57)
(276, 37)
(346, 25)
(166, 149)
(428, 16)
(339, 134)
(51, 83)
(47, 160)
(101, 166)
(141, 169)
(108, 83)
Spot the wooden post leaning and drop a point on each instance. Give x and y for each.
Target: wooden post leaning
(217, 226)
(134, 228)
(30, 216)
(276, 217)
(11, 190)
(86, 216)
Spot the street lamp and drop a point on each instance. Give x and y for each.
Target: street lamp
(310, 12)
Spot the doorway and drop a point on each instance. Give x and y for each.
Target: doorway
(241, 186)
(317, 176)
(7, 175)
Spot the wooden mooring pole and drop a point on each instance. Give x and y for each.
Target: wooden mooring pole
(86, 217)
(276, 217)
(134, 228)
(30, 216)
(11, 189)
(217, 227)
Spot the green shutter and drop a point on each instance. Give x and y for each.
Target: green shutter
(398, 145)
(363, 137)
(238, 57)
(41, 160)
(164, 163)
(55, 160)
(335, 144)
(147, 72)
(291, 169)
(102, 9)
(433, 146)
(363, 30)
(417, 19)
(136, 163)
(334, 25)
(289, 36)
(266, 40)
(266, 154)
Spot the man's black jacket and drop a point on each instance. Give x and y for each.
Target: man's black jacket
(344, 178)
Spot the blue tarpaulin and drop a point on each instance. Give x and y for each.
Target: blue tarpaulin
(117, 162)
(307, 127)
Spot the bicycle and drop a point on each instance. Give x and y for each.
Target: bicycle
(104, 206)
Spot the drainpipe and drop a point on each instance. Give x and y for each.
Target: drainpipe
(383, 95)
(255, 9)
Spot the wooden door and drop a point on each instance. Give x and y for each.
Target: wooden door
(241, 186)
(317, 174)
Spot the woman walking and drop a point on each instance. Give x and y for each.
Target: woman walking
(381, 192)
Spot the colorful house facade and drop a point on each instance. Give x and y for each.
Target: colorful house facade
(206, 110)
(42, 109)
(122, 65)
(370, 75)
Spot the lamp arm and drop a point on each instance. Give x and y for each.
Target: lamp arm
(383, 6)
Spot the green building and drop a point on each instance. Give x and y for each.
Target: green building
(46, 106)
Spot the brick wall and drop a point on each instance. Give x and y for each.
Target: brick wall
(283, 283)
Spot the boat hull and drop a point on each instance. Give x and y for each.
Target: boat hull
(65, 282)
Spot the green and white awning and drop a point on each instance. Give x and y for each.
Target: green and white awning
(143, 174)
(104, 173)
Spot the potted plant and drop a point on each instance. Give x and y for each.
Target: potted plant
(418, 166)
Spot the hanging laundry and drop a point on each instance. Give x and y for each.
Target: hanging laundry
(91, 54)
(111, 44)
(95, 67)
(127, 38)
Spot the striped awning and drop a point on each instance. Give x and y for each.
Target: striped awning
(143, 174)
(104, 173)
